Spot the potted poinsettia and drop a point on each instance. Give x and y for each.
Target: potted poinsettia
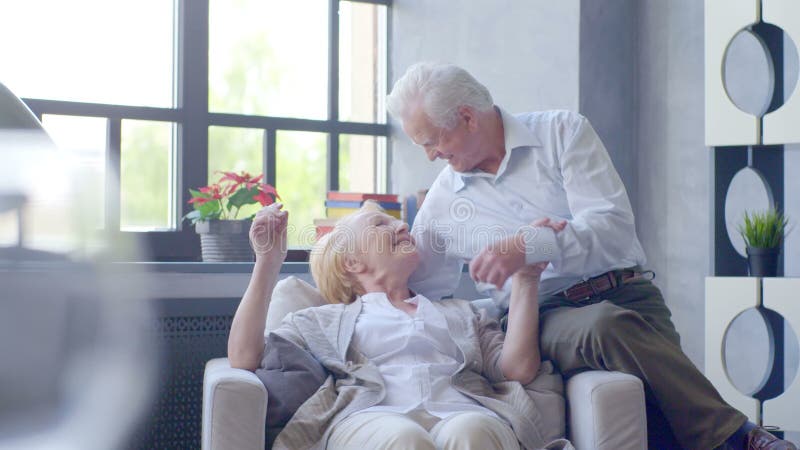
(223, 212)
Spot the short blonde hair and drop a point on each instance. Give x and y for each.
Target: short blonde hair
(327, 260)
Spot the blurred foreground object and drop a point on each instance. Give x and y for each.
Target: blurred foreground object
(77, 363)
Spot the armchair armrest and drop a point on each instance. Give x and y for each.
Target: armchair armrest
(606, 411)
(234, 408)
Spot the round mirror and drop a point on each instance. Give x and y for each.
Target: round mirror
(748, 73)
(791, 354)
(748, 335)
(749, 353)
(790, 66)
(748, 191)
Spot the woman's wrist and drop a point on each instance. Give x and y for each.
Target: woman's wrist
(527, 277)
(269, 263)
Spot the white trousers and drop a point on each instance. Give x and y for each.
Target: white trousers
(419, 430)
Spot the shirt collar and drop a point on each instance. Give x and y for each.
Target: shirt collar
(380, 298)
(516, 135)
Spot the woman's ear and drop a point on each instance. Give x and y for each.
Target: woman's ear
(352, 264)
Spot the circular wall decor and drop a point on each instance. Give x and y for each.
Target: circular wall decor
(749, 330)
(748, 191)
(748, 73)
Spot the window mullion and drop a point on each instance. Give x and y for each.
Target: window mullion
(113, 177)
(192, 149)
(269, 158)
(333, 93)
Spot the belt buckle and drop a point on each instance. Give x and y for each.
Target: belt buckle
(567, 293)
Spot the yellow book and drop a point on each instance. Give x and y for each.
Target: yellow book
(338, 213)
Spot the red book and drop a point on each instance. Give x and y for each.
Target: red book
(323, 230)
(360, 197)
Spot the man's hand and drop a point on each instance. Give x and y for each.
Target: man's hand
(268, 234)
(502, 259)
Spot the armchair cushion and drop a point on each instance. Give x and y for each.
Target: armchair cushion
(290, 294)
(291, 375)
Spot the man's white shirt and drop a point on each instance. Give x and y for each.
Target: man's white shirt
(555, 166)
(415, 354)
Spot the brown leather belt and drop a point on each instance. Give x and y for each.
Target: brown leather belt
(598, 285)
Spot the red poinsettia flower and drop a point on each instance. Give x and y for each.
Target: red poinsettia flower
(239, 179)
(233, 191)
(266, 194)
(235, 177)
(253, 181)
(215, 190)
(199, 200)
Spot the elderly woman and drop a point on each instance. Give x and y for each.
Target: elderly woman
(406, 372)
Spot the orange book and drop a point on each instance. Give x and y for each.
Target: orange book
(360, 197)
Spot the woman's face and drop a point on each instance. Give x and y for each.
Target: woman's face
(384, 243)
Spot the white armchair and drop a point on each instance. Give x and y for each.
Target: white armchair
(606, 410)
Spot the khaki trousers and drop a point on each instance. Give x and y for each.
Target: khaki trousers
(419, 430)
(628, 329)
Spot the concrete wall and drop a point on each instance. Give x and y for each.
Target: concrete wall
(529, 62)
(608, 81)
(673, 165)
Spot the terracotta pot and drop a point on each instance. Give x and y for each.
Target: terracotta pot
(225, 240)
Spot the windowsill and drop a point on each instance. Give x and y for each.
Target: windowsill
(211, 267)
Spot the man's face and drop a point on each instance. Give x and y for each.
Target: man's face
(455, 145)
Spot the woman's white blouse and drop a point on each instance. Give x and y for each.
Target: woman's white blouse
(415, 355)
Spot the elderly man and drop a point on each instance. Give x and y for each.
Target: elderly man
(598, 308)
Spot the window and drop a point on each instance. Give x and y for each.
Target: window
(155, 97)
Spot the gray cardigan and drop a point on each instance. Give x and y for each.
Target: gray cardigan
(536, 411)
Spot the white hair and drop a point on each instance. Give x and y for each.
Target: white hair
(441, 89)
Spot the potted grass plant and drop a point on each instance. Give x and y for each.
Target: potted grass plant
(223, 212)
(763, 233)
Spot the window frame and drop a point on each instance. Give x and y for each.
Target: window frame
(192, 118)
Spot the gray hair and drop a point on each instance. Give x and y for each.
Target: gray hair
(441, 89)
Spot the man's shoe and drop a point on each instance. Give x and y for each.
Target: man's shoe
(760, 439)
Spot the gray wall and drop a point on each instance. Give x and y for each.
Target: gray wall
(607, 84)
(529, 62)
(673, 164)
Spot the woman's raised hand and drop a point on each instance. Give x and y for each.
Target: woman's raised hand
(268, 233)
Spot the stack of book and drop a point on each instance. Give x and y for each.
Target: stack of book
(324, 226)
(340, 204)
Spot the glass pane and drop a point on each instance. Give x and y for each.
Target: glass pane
(362, 163)
(235, 150)
(269, 57)
(301, 182)
(9, 228)
(84, 139)
(362, 62)
(146, 178)
(89, 50)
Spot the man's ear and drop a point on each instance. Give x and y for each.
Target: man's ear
(353, 264)
(467, 114)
